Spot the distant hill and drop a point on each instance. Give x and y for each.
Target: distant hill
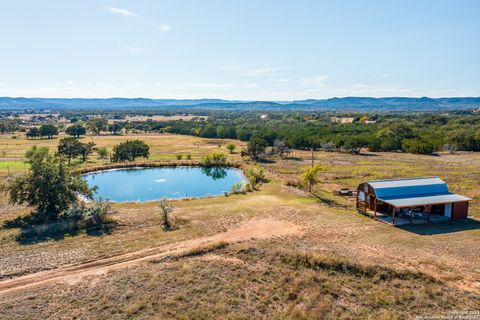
(332, 104)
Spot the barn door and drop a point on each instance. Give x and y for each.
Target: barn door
(448, 210)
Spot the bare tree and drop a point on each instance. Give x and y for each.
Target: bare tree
(166, 209)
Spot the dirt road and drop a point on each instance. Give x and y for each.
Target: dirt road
(253, 229)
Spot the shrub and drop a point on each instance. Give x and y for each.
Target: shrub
(102, 152)
(166, 209)
(179, 156)
(231, 147)
(214, 159)
(188, 156)
(256, 175)
(310, 176)
(237, 188)
(247, 187)
(30, 153)
(97, 213)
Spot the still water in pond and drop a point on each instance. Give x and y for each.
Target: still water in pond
(147, 184)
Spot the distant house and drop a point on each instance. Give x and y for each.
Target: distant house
(410, 201)
(264, 116)
(341, 120)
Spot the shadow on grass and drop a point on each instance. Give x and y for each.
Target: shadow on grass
(443, 227)
(328, 201)
(32, 232)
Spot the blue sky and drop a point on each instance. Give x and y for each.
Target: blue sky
(239, 49)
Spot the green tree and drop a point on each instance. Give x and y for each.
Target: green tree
(32, 133)
(129, 150)
(256, 148)
(231, 147)
(87, 149)
(97, 125)
(34, 150)
(417, 146)
(115, 128)
(76, 130)
(48, 186)
(70, 147)
(48, 130)
(354, 144)
(310, 176)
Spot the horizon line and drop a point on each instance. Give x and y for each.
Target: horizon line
(241, 100)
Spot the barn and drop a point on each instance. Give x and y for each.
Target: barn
(410, 201)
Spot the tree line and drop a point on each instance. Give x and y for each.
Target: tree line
(422, 134)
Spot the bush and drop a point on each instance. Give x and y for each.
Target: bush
(417, 146)
(188, 156)
(237, 188)
(95, 213)
(231, 147)
(214, 159)
(310, 176)
(166, 210)
(179, 156)
(256, 175)
(102, 152)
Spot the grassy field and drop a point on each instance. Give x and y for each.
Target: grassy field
(162, 147)
(273, 253)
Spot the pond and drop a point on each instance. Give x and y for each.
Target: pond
(148, 184)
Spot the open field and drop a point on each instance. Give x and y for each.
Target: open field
(162, 147)
(273, 253)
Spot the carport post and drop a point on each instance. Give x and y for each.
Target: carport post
(411, 214)
(375, 212)
(393, 220)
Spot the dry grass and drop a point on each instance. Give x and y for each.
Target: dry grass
(163, 147)
(342, 265)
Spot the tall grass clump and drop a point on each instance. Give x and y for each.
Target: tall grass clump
(256, 175)
(214, 159)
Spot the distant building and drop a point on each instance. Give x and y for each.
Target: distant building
(264, 116)
(407, 201)
(341, 120)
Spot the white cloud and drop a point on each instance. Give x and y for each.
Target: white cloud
(214, 85)
(262, 71)
(280, 80)
(121, 11)
(317, 81)
(210, 85)
(235, 67)
(163, 28)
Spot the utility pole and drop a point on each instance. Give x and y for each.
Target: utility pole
(312, 155)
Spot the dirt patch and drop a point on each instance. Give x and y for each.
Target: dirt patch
(253, 229)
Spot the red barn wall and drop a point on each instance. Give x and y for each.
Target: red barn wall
(460, 210)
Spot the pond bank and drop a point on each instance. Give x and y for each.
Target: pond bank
(152, 164)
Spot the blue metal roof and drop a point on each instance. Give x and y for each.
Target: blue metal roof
(408, 187)
(414, 192)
